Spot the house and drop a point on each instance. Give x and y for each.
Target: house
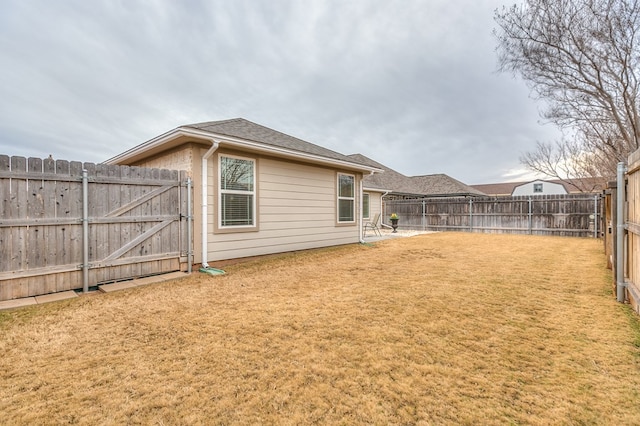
(260, 190)
(395, 185)
(392, 185)
(544, 187)
(539, 187)
(441, 185)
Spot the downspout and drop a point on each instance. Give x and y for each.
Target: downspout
(205, 207)
(383, 213)
(360, 209)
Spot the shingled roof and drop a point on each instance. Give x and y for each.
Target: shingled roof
(418, 186)
(388, 180)
(241, 133)
(443, 185)
(247, 130)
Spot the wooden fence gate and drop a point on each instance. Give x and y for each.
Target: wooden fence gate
(130, 223)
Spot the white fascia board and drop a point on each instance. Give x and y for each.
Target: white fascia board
(375, 189)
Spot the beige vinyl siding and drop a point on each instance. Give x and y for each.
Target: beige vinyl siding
(375, 204)
(296, 208)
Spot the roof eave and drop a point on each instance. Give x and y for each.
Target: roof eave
(455, 194)
(372, 189)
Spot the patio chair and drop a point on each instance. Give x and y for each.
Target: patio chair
(373, 225)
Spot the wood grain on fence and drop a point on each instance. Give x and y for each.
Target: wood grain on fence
(134, 217)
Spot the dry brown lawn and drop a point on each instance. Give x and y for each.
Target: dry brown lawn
(447, 328)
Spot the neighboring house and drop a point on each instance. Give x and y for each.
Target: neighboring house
(266, 192)
(542, 187)
(539, 187)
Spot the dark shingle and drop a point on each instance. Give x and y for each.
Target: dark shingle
(428, 185)
(441, 184)
(247, 130)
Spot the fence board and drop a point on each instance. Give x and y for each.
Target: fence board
(5, 212)
(18, 209)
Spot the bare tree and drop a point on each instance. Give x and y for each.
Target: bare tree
(583, 58)
(567, 161)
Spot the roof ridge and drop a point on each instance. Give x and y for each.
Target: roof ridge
(202, 123)
(363, 158)
(431, 174)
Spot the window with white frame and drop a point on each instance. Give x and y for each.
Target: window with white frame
(346, 198)
(537, 187)
(237, 199)
(365, 206)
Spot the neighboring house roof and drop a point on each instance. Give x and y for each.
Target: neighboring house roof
(421, 186)
(594, 185)
(589, 185)
(239, 132)
(389, 180)
(497, 188)
(441, 184)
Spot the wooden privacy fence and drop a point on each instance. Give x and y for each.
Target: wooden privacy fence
(129, 223)
(566, 215)
(624, 250)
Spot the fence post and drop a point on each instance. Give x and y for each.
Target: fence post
(620, 231)
(530, 216)
(424, 221)
(470, 214)
(595, 216)
(85, 231)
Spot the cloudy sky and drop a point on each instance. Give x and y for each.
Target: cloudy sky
(412, 84)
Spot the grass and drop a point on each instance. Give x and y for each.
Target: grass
(447, 328)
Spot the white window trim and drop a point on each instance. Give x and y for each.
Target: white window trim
(353, 198)
(229, 191)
